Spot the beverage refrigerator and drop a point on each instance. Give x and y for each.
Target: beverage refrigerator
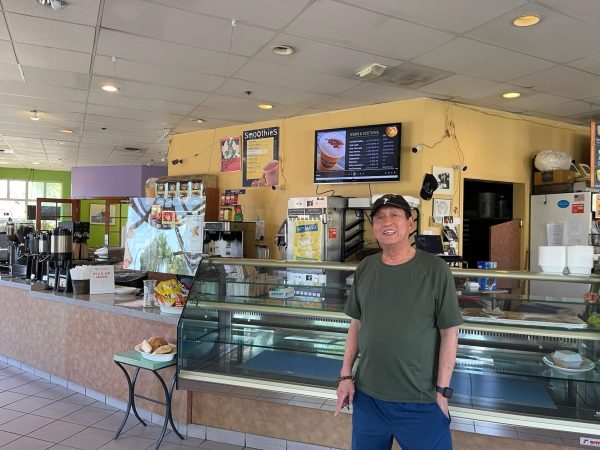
(560, 219)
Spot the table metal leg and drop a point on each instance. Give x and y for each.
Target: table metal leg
(131, 399)
(168, 415)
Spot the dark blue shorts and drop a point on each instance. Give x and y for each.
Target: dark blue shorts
(416, 426)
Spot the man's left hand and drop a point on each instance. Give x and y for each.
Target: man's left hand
(443, 404)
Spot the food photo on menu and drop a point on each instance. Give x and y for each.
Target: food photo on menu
(332, 150)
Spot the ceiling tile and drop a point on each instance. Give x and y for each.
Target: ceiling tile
(83, 12)
(333, 103)
(453, 15)
(50, 33)
(122, 101)
(411, 76)
(294, 78)
(481, 60)
(160, 53)
(186, 126)
(53, 58)
(112, 111)
(379, 93)
(321, 57)
(10, 72)
(457, 85)
(563, 81)
(7, 54)
(569, 109)
(586, 10)
(183, 27)
(589, 64)
(557, 37)
(41, 104)
(3, 29)
(264, 93)
(149, 91)
(280, 12)
(42, 91)
(163, 76)
(348, 26)
(528, 101)
(56, 77)
(240, 110)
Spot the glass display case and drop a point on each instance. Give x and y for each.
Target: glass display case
(280, 326)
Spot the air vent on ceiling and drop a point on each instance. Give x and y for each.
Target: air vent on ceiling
(129, 149)
(412, 76)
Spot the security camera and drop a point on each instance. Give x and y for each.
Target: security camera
(417, 148)
(462, 167)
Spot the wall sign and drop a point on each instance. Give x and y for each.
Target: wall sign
(230, 154)
(261, 157)
(595, 154)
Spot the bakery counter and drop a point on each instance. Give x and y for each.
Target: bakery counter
(74, 338)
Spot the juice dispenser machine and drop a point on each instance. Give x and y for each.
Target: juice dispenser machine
(230, 239)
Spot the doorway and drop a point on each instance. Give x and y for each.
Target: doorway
(487, 205)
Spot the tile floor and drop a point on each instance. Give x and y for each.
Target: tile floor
(36, 414)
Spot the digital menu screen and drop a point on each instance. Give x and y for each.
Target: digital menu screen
(359, 154)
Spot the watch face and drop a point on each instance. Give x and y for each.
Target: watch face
(447, 392)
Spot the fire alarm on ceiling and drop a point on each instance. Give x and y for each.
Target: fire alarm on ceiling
(373, 71)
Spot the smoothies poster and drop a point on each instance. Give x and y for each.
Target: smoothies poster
(230, 154)
(261, 157)
(165, 235)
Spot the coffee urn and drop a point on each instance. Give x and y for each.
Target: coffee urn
(61, 255)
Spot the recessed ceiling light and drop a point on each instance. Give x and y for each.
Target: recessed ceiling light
(66, 130)
(526, 20)
(110, 88)
(265, 106)
(197, 120)
(36, 163)
(34, 115)
(283, 50)
(511, 95)
(59, 143)
(3, 162)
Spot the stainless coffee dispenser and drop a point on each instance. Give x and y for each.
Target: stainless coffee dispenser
(230, 239)
(61, 255)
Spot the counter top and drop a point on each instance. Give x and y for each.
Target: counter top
(103, 302)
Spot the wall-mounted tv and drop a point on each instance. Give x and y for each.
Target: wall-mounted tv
(365, 154)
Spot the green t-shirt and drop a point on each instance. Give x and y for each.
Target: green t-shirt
(401, 309)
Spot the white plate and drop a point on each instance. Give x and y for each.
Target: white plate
(125, 290)
(586, 365)
(161, 357)
(171, 309)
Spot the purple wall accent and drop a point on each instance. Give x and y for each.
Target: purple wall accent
(112, 181)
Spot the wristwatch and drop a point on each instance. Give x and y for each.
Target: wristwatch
(445, 391)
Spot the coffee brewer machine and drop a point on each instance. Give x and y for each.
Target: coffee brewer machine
(38, 255)
(18, 251)
(230, 239)
(61, 256)
(81, 234)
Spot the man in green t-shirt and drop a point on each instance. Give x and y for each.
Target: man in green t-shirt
(405, 319)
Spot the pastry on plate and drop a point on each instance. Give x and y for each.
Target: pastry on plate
(157, 341)
(146, 347)
(163, 349)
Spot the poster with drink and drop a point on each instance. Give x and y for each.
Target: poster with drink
(230, 154)
(261, 157)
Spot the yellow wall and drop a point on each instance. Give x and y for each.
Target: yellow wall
(497, 147)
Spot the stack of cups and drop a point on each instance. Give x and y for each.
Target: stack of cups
(149, 298)
(580, 259)
(552, 259)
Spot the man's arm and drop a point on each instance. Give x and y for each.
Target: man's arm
(446, 361)
(345, 390)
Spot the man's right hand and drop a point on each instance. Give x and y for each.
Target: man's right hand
(345, 395)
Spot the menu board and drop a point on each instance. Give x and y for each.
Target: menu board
(261, 157)
(358, 154)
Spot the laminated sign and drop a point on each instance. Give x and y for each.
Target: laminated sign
(102, 280)
(307, 240)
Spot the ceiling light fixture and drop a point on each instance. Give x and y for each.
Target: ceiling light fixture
(510, 95)
(36, 163)
(527, 20)
(283, 50)
(54, 4)
(34, 115)
(197, 120)
(265, 106)
(110, 88)
(66, 130)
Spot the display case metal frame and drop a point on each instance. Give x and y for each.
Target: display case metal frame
(226, 308)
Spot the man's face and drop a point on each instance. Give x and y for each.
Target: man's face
(391, 227)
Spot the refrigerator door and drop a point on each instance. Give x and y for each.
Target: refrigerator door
(572, 212)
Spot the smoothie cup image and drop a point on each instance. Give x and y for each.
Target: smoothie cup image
(332, 147)
(272, 173)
